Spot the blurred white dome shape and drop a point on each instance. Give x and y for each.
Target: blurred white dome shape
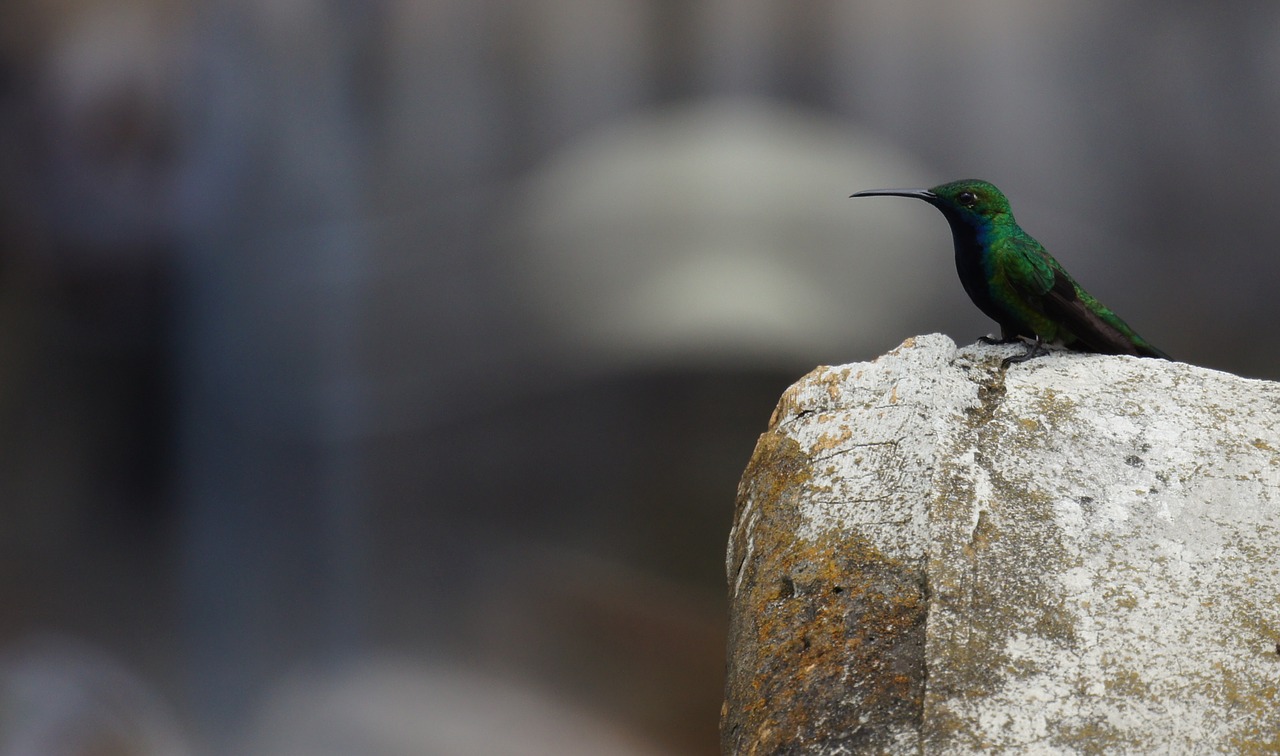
(59, 695)
(378, 706)
(722, 232)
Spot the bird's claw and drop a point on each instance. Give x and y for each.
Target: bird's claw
(1034, 349)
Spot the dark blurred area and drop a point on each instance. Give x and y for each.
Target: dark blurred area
(375, 376)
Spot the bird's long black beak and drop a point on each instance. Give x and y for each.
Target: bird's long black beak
(923, 194)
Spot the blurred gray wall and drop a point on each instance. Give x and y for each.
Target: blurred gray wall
(446, 327)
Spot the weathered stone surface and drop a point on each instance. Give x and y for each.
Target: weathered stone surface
(1072, 555)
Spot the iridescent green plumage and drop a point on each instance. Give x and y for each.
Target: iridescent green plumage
(1012, 279)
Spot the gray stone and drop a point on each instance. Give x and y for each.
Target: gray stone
(932, 553)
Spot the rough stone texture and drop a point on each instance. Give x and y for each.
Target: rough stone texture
(1076, 554)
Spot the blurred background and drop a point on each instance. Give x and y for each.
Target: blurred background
(375, 375)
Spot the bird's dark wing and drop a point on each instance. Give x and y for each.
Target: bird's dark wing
(1049, 288)
(1086, 319)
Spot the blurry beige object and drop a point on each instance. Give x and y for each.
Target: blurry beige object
(60, 698)
(721, 231)
(396, 707)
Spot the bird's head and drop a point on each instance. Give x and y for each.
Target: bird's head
(972, 202)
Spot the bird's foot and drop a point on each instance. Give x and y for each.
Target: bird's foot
(1034, 349)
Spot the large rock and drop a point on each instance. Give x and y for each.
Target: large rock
(932, 553)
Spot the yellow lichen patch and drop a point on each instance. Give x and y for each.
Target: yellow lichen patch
(1246, 698)
(1257, 740)
(777, 461)
(1096, 733)
(831, 441)
(1126, 602)
(1126, 683)
(1054, 407)
(778, 468)
(836, 640)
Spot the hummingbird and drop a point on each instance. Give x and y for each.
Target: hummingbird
(1015, 282)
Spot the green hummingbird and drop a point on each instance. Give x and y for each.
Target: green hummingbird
(1012, 279)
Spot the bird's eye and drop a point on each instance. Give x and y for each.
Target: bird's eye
(968, 199)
